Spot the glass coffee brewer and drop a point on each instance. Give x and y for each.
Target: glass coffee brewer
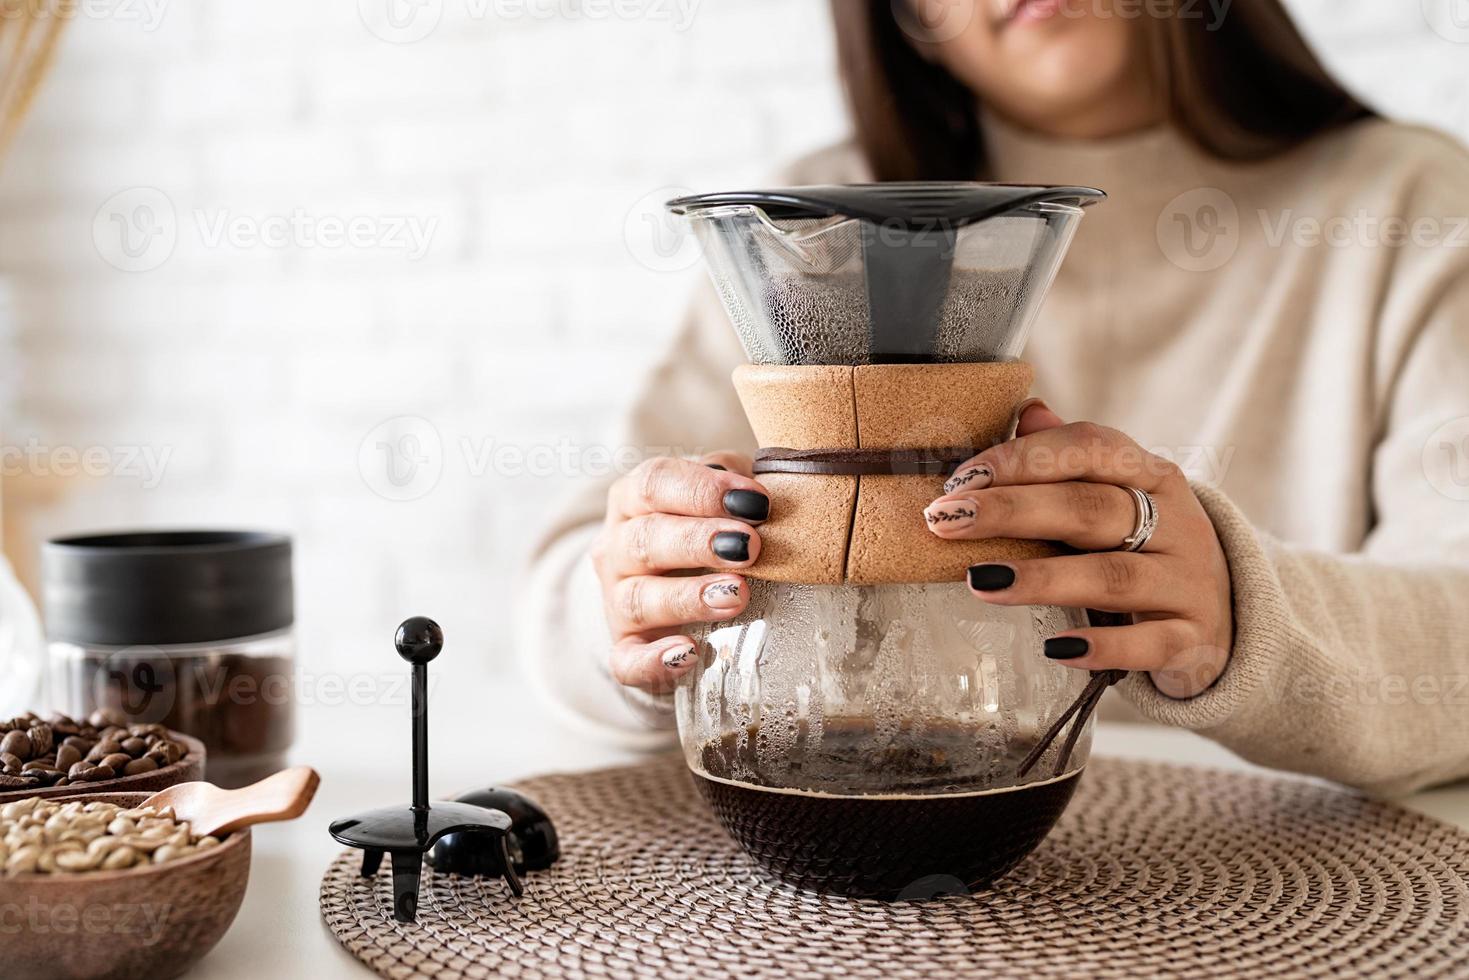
(868, 726)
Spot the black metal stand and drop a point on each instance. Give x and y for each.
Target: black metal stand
(406, 833)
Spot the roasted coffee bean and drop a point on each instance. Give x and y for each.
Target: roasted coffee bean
(17, 743)
(94, 774)
(61, 751)
(8, 781)
(104, 748)
(82, 745)
(107, 718)
(41, 740)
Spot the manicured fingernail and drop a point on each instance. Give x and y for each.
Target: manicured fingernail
(974, 478)
(747, 505)
(732, 546)
(950, 517)
(677, 657)
(722, 595)
(716, 466)
(1067, 648)
(991, 578)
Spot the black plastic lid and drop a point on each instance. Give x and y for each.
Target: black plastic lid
(166, 587)
(950, 204)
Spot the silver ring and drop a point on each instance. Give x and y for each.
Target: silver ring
(1147, 521)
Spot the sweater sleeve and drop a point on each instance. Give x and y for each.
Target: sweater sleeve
(1355, 667)
(686, 407)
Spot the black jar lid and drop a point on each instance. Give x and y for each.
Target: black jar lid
(166, 587)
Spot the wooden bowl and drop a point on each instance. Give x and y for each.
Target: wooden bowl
(187, 770)
(147, 923)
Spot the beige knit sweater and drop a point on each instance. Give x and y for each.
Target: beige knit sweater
(1296, 335)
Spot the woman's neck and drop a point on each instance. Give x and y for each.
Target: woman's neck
(1122, 109)
(1099, 122)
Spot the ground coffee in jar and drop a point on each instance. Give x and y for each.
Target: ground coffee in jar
(191, 630)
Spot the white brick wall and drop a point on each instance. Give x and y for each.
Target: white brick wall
(525, 141)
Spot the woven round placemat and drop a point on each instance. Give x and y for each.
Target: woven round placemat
(1155, 870)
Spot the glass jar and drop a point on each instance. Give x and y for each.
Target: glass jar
(188, 629)
(868, 739)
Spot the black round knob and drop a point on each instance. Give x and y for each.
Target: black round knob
(419, 640)
(532, 845)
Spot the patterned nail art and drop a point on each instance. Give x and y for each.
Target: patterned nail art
(954, 516)
(974, 478)
(722, 595)
(677, 657)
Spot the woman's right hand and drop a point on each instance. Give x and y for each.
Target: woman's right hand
(673, 516)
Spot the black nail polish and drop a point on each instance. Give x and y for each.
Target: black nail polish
(747, 505)
(1067, 648)
(991, 578)
(731, 546)
(716, 466)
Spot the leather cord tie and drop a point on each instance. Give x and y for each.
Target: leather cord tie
(862, 462)
(1081, 708)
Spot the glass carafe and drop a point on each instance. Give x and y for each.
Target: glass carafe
(883, 740)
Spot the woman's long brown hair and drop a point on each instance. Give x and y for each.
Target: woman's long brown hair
(1246, 87)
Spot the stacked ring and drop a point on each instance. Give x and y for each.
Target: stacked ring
(1147, 520)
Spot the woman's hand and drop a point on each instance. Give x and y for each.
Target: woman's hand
(1060, 482)
(667, 516)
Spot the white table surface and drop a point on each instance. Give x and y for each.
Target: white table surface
(479, 738)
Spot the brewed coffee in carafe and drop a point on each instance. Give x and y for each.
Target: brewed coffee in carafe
(864, 727)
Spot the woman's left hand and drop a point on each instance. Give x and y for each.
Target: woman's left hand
(1060, 482)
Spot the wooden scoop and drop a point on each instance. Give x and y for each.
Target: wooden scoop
(214, 811)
